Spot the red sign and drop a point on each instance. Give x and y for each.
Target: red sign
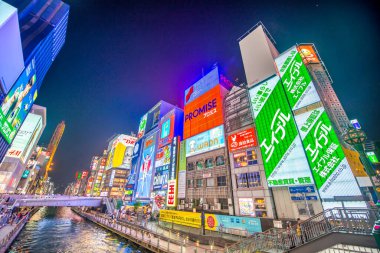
(170, 201)
(241, 140)
(84, 174)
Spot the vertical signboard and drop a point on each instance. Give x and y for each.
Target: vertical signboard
(142, 126)
(331, 172)
(308, 53)
(182, 171)
(171, 198)
(296, 79)
(146, 167)
(284, 159)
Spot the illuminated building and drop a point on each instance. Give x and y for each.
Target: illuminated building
(53, 145)
(42, 28)
(251, 194)
(15, 173)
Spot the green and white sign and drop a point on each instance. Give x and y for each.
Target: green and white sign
(296, 79)
(331, 172)
(372, 157)
(284, 159)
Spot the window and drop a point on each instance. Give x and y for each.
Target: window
(199, 183)
(199, 165)
(190, 183)
(190, 166)
(223, 203)
(302, 210)
(222, 181)
(245, 158)
(241, 181)
(253, 179)
(219, 160)
(209, 163)
(210, 182)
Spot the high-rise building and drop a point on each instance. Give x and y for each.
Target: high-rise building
(42, 28)
(14, 168)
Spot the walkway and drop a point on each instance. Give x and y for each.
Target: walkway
(152, 237)
(53, 200)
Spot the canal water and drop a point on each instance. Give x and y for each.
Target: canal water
(61, 230)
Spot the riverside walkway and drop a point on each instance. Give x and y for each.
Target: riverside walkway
(151, 237)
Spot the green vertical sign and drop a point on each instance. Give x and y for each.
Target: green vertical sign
(296, 79)
(283, 157)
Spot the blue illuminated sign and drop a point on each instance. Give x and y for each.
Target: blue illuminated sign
(301, 189)
(202, 86)
(206, 141)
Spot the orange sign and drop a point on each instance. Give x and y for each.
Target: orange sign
(308, 54)
(241, 140)
(204, 113)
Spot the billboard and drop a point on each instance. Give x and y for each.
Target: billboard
(212, 221)
(146, 167)
(131, 180)
(207, 82)
(299, 87)
(142, 126)
(206, 141)
(284, 159)
(372, 157)
(163, 156)
(161, 176)
(331, 172)
(26, 137)
(182, 171)
(167, 129)
(172, 192)
(204, 113)
(308, 53)
(17, 104)
(94, 163)
(120, 152)
(242, 140)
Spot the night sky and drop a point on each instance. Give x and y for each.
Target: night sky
(122, 57)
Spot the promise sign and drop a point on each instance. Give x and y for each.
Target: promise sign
(284, 159)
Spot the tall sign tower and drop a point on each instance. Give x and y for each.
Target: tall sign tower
(53, 145)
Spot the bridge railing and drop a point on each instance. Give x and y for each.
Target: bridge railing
(343, 220)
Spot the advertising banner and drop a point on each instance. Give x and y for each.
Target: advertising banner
(131, 180)
(308, 53)
(206, 141)
(284, 159)
(372, 157)
(296, 79)
(242, 140)
(161, 175)
(142, 126)
(146, 167)
(207, 82)
(246, 206)
(94, 163)
(163, 156)
(167, 129)
(331, 172)
(204, 113)
(182, 171)
(120, 152)
(212, 221)
(17, 104)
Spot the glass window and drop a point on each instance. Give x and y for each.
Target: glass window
(199, 165)
(190, 183)
(223, 203)
(199, 183)
(253, 179)
(260, 204)
(210, 182)
(219, 160)
(209, 163)
(240, 159)
(241, 180)
(222, 181)
(251, 157)
(190, 166)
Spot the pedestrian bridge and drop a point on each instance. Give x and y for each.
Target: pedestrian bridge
(54, 200)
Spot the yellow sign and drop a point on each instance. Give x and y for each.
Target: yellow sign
(189, 219)
(353, 159)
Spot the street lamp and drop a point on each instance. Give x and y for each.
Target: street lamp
(356, 138)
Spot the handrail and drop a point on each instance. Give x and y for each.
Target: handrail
(342, 220)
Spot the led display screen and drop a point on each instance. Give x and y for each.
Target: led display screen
(331, 172)
(202, 86)
(17, 104)
(161, 176)
(308, 53)
(142, 126)
(242, 140)
(372, 157)
(206, 141)
(204, 113)
(146, 167)
(296, 79)
(167, 129)
(120, 152)
(163, 156)
(284, 159)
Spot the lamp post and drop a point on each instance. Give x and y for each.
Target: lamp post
(356, 138)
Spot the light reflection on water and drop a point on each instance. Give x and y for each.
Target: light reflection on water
(61, 230)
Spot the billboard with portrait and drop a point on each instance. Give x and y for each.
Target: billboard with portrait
(204, 113)
(206, 141)
(131, 180)
(207, 82)
(146, 167)
(163, 156)
(242, 140)
(142, 126)
(17, 104)
(297, 82)
(331, 171)
(284, 159)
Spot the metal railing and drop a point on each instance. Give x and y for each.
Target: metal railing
(342, 220)
(148, 236)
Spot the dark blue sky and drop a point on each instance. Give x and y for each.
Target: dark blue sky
(122, 57)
